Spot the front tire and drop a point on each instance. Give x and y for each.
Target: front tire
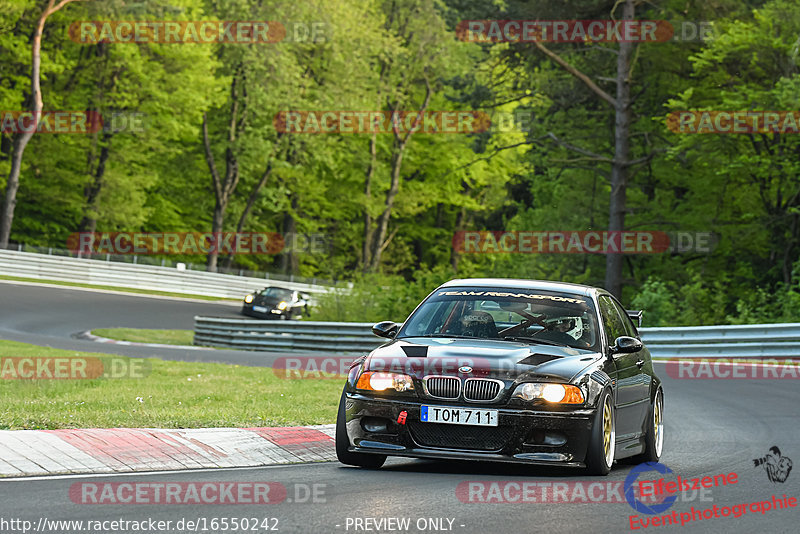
(602, 442)
(654, 436)
(373, 461)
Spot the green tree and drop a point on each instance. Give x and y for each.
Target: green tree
(35, 106)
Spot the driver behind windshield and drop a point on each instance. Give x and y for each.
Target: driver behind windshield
(557, 331)
(518, 315)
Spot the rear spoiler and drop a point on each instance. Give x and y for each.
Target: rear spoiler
(636, 317)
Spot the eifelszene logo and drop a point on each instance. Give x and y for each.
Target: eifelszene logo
(630, 495)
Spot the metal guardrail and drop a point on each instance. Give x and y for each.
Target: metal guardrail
(739, 341)
(160, 259)
(252, 334)
(126, 275)
(745, 341)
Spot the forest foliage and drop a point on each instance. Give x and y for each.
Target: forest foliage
(389, 204)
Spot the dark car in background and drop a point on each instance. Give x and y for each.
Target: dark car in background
(506, 370)
(275, 303)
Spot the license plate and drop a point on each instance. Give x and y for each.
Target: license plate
(259, 309)
(458, 416)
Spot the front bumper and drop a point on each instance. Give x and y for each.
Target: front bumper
(274, 313)
(523, 436)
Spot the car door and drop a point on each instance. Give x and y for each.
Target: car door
(629, 398)
(641, 385)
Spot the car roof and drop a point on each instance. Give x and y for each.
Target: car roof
(516, 283)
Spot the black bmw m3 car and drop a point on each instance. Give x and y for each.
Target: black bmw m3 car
(506, 370)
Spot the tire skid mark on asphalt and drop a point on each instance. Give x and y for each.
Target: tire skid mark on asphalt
(242, 447)
(306, 444)
(174, 449)
(137, 447)
(209, 456)
(92, 442)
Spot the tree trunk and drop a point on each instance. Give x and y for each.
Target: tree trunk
(251, 200)
(621, 163)
(92, 190)
(380, 242)
(455, 256)
(619, 170)
(383, 221)
(373, 154)
(289, 263)
(216, 230)
(21, 141)
(10, 202)
(224, 187)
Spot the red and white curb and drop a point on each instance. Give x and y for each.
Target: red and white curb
(124, 450)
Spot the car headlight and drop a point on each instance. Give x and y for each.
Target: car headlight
(248, 299)
(556, 393)
(282, 305)
(380, 381)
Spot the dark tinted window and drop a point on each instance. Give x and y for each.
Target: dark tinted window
(627, 323)
(277, 292)
(568, 319)
(613, 324)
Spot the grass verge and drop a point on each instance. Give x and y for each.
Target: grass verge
(167, 395)
(144, 335)
(111, 288)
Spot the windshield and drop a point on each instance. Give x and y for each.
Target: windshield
(283, 294)
(507, 314)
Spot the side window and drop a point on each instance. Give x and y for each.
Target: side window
(627, 323)
(612, 322)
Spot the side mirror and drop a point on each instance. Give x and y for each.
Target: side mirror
(386, 329)
(626, 344)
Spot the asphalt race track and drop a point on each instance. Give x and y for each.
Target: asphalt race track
(712, 427)
(50, 316)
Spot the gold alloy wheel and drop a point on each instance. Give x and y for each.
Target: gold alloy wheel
(658, 424)
(608, 432)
